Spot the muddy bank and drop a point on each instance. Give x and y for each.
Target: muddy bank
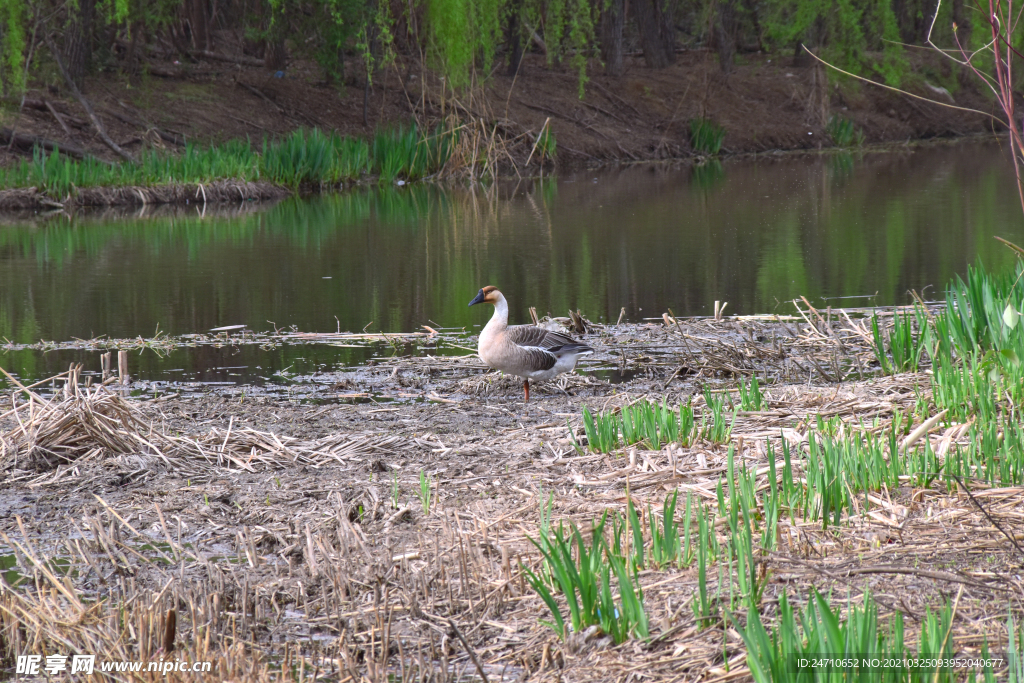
(217, 192)
(298, 533)
(767, 103)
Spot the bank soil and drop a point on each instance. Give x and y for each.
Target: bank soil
(767, 103)
(291, 537)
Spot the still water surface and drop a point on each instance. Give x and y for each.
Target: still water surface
(753, 233)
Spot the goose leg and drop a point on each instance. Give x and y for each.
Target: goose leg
(526, 388)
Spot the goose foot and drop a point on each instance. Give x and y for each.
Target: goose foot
(526, 389)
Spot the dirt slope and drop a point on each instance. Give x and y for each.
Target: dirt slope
(766, 104)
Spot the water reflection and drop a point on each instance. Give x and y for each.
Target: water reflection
(647, 239)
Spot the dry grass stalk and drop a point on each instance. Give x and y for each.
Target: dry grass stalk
(81, 423)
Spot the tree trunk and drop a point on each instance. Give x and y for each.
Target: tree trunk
(78, 42)
(725, 34)
(613, 21)
(275, 56)
(514, 37)
(962, 21)
(963, 24)
(198, 17)
(648, 21)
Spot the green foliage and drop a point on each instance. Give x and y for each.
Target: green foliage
(602, 431)
(820, 631)
(320, 29)
(650, 423)
(713, 425)
(975, 313)
(750, 395)
(424, 492)
(977, 344)
(463, 36)
(901, 349)
(569, 31)
(665, 547)
(305, 157)
(706, 136)
(547, 146)
(994, 455)
(844, 133)
(12, 45)
(583, 578)
(841, 32)
(300, 158)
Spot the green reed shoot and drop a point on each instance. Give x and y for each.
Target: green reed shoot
(974, 316)
(901, 349)
(705, 608)
(424, 492)
(750, 395)
(665, 547)
(844, 133)
(714, 427)
(547, 146)
(577, 577)
(971, 387)
(772, 505)
(602, 431)
(742, 488)
(706, 136)
(638, 534)
(994, 454)
(644, 422)
(686, 553)
(1014, 650)
(584, 579)
(303, 158)
(820, 630)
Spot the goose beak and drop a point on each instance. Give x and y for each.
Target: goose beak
(479, 298)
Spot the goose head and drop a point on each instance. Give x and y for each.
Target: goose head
(487, 295)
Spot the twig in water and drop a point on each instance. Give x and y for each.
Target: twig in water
(469, 649)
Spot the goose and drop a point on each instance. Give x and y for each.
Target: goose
(525, 351)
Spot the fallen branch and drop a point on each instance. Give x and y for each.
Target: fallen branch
(30, 142)
(245, 61)
(131, 121)
(58, 118)
(97, 124)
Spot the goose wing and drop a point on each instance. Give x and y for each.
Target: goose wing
(531, 335)
(536, 359)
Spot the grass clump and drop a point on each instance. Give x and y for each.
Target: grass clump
(818, 630)
(302, 158)
(713, 425)
(424, 492)
(901, 350)
(644, 422)
(582, 574)
(706, 137)
(751, 398)
(844, 133)
(978, 345)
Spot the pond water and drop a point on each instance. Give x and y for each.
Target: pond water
(755, 233)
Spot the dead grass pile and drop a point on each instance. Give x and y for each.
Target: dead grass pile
(497, 384)
(55, 617)
(220, 191)
(85, 423)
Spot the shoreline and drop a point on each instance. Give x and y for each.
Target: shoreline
(228, 191)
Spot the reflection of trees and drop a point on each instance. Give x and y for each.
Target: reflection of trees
(400, 257)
